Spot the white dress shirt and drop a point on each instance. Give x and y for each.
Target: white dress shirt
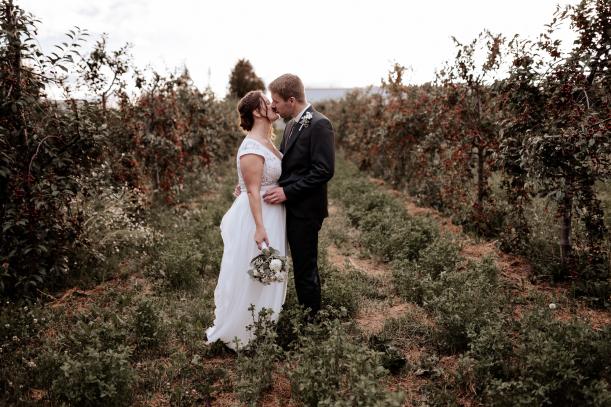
(298, 117)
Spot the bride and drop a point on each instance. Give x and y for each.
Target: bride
(247, 225)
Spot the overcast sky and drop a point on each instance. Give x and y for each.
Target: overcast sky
(330, 43)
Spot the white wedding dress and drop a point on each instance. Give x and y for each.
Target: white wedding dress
(236, 290)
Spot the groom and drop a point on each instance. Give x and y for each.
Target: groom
(308, 163)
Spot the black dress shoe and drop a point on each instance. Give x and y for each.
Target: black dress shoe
(218, 348)
(229, 350)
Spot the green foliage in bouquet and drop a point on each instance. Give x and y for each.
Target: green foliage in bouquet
(269, 266)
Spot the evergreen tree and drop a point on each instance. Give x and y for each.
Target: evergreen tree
(243, 79)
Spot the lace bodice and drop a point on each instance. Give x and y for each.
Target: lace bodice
(271, 169)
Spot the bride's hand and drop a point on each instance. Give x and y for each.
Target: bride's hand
(260, 237)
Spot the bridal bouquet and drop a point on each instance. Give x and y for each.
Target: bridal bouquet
(269, 267)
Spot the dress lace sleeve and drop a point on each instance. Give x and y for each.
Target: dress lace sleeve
(251, 147)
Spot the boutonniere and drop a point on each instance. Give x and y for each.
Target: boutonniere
(305, 120)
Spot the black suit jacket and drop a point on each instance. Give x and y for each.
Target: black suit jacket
(308, 163)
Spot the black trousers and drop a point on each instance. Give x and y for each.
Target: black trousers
(302, 235)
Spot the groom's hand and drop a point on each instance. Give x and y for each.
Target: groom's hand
(274, 196)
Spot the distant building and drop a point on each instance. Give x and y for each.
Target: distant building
(315, 95)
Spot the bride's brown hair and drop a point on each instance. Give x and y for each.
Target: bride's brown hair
(247, 105)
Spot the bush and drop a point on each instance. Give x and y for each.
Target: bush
(94, 377)
(113, 229)
(99, 329)
(22, 325)
(89, 364)
(179, 264)
(499, 149)
(331, 370)
(589, 270)
(408, 330)
(594, 282)
(339, 291)
(192, 246)
(392, 358)
(367, 208)
(203, 225)
(291, 319)
(345, 288)
(463, 303)
(256, 364)
(412, 277)
(490, 350)
(147, 325)
(387, 230)
(399, 239)
(549, 362)
(487, 221)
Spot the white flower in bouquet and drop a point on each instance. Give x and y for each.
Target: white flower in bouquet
(275, 265)
(269, 266)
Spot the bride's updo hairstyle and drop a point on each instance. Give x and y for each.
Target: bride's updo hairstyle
(247, 105)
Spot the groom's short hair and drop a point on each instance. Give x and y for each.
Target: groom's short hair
(288, 85)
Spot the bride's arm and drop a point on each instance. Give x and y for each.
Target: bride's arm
(251, 166)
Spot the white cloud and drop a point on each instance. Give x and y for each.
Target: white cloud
(327, 43)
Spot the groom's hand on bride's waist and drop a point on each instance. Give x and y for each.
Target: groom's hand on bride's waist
(274, 196)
